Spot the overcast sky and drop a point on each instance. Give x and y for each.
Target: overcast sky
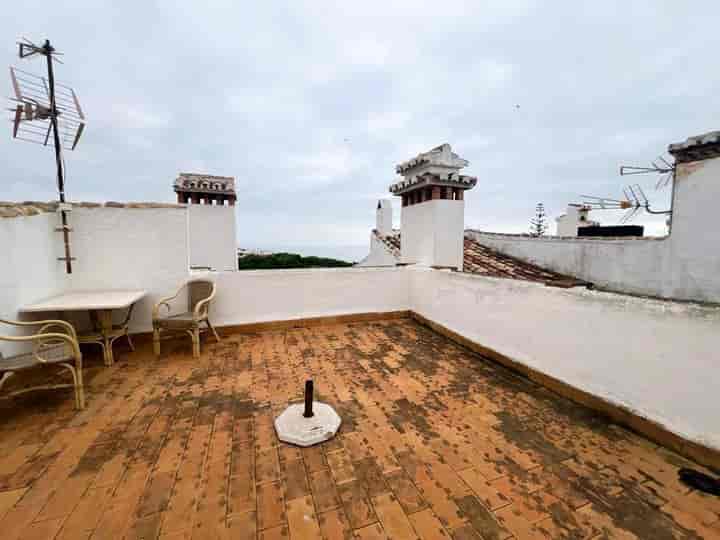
(310, 105)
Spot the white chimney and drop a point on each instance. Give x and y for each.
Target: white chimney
(575, 217)
(433, 208)
(384, 217)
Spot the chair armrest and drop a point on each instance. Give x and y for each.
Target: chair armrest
(61, 325)
(69, 328)
(165, 302)
(37, 341)
(200, 308)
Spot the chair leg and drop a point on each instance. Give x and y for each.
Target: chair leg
(156, 341)
(81, 390)
(77, 386)
(196, 342)
(130, 342)
(5, 377)
(211, 327)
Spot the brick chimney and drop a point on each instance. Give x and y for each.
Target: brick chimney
(194, 188)
(433, 207)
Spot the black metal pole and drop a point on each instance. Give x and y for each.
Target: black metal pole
(47, 48)
(308, 400)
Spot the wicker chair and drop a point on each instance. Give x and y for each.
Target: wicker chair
(200, 293)
(53, 344)
(95, 334)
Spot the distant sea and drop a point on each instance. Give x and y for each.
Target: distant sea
(344, 253)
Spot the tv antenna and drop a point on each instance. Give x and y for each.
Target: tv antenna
(635, 200)
(44, 108)
(660, 166)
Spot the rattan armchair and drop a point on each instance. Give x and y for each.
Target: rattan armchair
(54, 343)
(200, 293)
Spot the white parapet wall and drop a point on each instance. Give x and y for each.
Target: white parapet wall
(656, 358)
(29, 264)
(129, 248)
(634, 265)
(139, 247)
(684, 265)
(653, 357)
(273, 295)
(212, 237)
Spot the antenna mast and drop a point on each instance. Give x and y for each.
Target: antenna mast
(48, 50)
(40, 103)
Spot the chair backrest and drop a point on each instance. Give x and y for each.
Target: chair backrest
(199, 289)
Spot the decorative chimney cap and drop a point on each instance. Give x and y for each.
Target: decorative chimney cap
(440, 156)
(438, 166)
(205, 183)
(699, 147)
(428, 179)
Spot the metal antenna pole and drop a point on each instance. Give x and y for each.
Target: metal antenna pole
(48, 50)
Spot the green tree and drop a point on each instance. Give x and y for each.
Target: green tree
(538, 224)
(287, 260)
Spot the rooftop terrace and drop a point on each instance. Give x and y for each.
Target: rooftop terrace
(436, 442)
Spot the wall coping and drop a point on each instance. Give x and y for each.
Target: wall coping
(9, 209)
(547, 238)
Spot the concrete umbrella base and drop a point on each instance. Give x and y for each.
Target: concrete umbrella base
(292, 427)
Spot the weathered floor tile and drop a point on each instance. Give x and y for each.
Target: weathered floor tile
(405, 491)
(334, 525)
(371, 532)
(324, 491)
(435, 441)
(392, 517)
(302, 521)
(357, 505)
(428, 526)
(270, 505)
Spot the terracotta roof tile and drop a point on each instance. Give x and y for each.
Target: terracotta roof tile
(480, 259)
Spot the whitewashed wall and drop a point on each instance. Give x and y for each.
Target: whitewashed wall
(638, 266)
(129, 248)
(28, 267)
(694, 250)
(684, 265)
(272, 295)
(212, 237)
(432, 233)
(379, 254)
(656, 358)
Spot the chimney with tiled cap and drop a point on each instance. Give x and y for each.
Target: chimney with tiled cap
(194, 188)
(433, 208)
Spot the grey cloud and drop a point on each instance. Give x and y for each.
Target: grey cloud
(310, 104)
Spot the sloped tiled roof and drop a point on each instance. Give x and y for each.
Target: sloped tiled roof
(479, 259)
(391, 241)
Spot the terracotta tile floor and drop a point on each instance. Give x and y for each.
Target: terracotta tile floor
(436, 443)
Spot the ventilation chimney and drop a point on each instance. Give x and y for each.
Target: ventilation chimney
(575, 217)
(383, 217)
(433, 208)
